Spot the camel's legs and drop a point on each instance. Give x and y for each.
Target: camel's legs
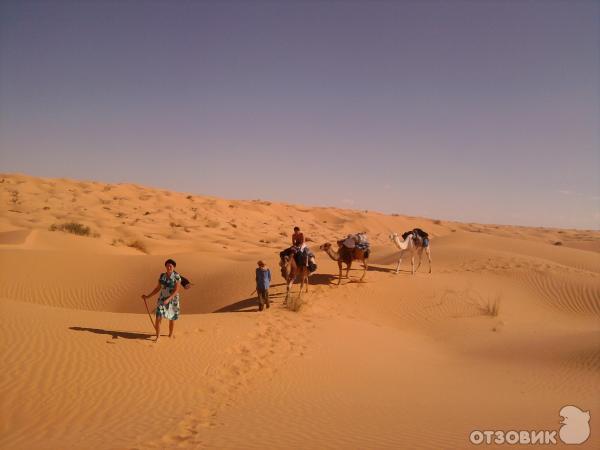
(428, 257)
(412, 263)
(348, 265)
(306, 282)
(288, 289)
(340, 277)
(420, 256)
(365, 271)
(399, 262)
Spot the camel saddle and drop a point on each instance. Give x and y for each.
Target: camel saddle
(306, 258)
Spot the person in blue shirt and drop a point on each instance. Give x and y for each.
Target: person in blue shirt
(263, 281)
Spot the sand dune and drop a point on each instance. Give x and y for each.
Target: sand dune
(502, 334)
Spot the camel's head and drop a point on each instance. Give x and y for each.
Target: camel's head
(326, 246)
(393, 236)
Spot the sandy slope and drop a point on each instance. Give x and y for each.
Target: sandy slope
(396, 361)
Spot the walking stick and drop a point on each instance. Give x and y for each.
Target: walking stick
(149, 315)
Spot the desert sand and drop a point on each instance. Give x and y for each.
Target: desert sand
(501, 335)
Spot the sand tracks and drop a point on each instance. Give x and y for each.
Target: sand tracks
(276, 337)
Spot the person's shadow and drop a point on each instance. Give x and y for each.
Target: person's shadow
(115, 334)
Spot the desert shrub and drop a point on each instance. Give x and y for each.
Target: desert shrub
(295, 304)
(138, 245)
(558, 243)
(437, 222)
(72, 227)
(490, 307)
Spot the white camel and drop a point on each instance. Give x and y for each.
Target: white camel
(411, 246)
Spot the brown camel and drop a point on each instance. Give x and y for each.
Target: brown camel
(346, 255)
(289, 271)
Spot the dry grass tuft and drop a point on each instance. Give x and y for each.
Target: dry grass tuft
(295, 303)
(73, 228)
(490, 306)
(138, 245)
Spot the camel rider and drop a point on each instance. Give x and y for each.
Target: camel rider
(298, 239)
(299, 244)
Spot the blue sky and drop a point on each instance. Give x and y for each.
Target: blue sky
(482, 111)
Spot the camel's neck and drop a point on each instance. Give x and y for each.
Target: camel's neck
(402, 245)
(289, 269)
(332, 254)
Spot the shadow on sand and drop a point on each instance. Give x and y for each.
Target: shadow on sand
(250, 304)
(115, 334)
(247, 305)
(386, 269)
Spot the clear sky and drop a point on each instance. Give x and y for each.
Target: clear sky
(483, 111)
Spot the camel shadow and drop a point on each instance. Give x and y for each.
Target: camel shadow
(387, 269)
(321, 278)
(115, 334)
(379, 269)
(250, 304)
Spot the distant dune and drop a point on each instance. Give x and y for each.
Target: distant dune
(502, 335)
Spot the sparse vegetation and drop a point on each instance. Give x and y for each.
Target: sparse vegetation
(295, 304)
(73, 228)
(437, 222)
(138, 245)
(558, 243)
(491, 306)
(189, 197)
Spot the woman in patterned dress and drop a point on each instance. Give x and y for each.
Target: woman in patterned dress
(168, 299)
